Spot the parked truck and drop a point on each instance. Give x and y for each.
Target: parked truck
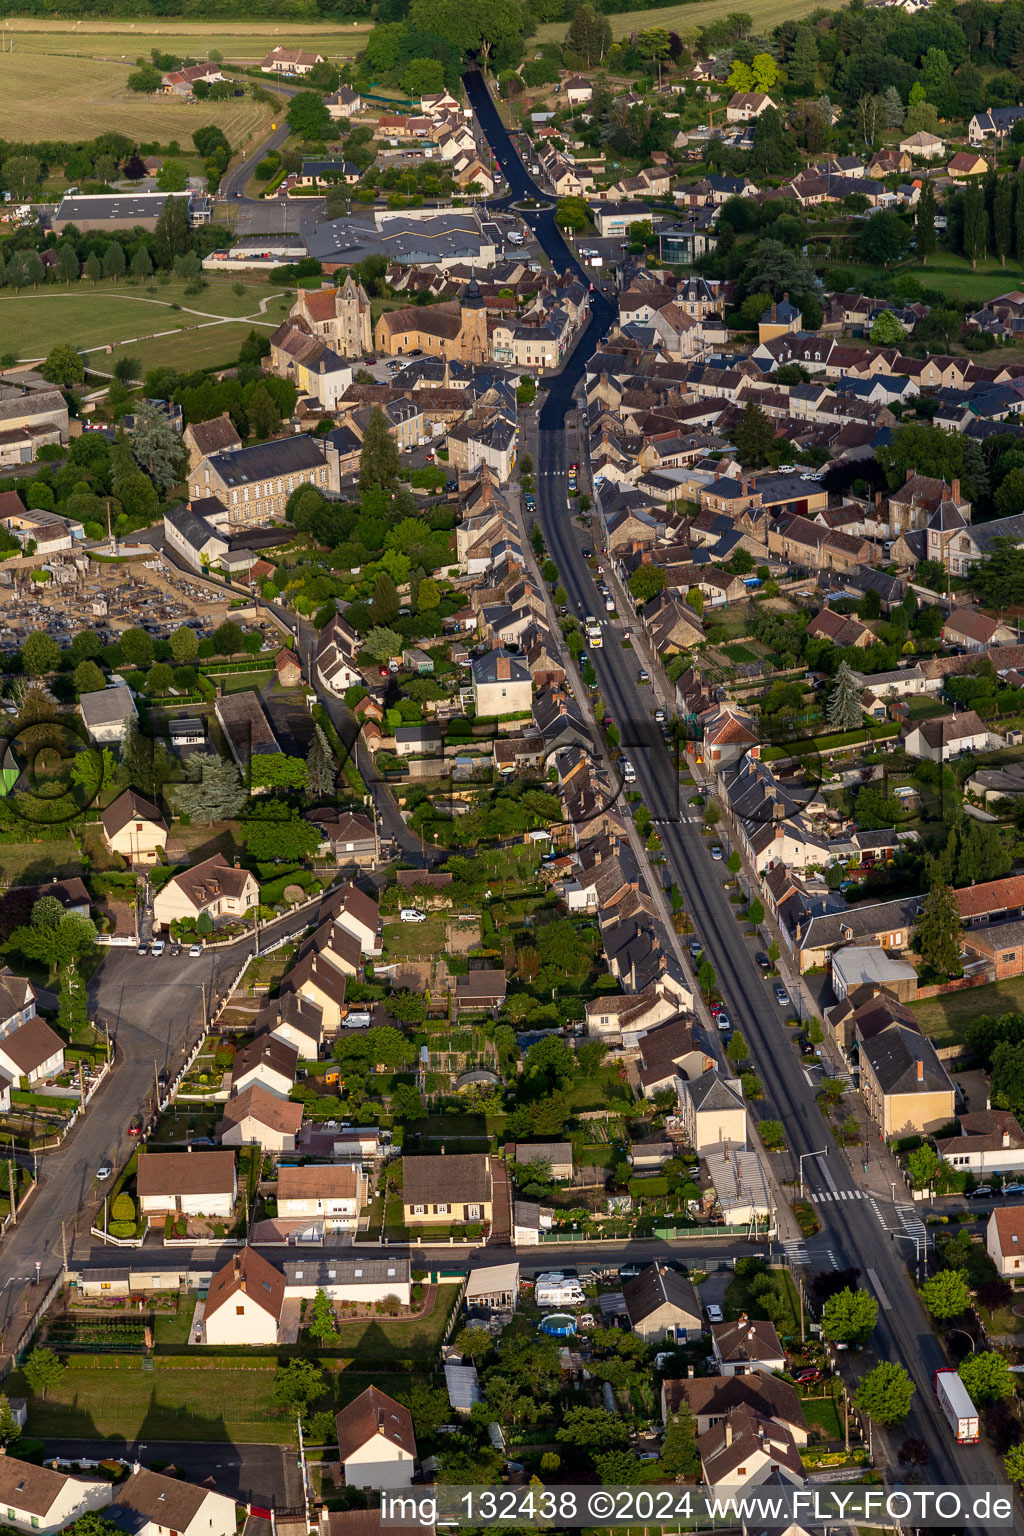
(956, 1404)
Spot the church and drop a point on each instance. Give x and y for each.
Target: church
(339, 316)
(457, 332)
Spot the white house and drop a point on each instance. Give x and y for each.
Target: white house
(106, 713)
(149, 1504)
(135, 828)
(267, 1061)
(990, 1141)
(40, 1499)
(244, 1301)
(33, 1051)
(747, 1345)
(215, 887)
(376, 1442)
(745, 1449)
(329, 1194)
(949, 736)
(357, 913)
(187, 1183)
(257, 1116)
(361, 1279)
(713, 1112)
(1004, 1239)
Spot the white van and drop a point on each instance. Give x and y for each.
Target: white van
(410, 915)
(514, 237)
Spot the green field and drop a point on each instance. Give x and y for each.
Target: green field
(942, 1019)
(112, 1396)
(139, 319)
(686, 19)
(952, 275)
(85, 67)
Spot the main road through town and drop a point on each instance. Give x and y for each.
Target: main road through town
(857, 1233)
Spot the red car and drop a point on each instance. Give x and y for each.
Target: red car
(809, 1374)
(135, 1129)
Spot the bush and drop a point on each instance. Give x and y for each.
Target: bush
(123, 1209)
(121, 1228)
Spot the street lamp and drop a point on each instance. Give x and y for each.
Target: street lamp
(908, 1237)
(967, 1336)
(803, 1156)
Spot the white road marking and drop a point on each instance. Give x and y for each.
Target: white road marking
(883, 1298)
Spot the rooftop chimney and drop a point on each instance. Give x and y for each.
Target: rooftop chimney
(504, 669)
(775, 312)
(920, 1071)
(1006, 1138)
(954, 490)
(728, 1432)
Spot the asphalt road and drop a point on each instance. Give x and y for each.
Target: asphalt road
(236, 178)
(265, 1475)
(153, 1007)
(856, 1233)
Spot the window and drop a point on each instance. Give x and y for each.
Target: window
(239, 1311)
(442, 1210)
(473, 1212)
(419, 1210)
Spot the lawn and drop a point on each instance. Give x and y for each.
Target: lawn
(94, 89)
(952, 275)
(31, 862)
(416, 941)
(822, 1413)
(141, 319)
(96, 1398)
(240, 42)
(394, 1340)
(740, 654)
(685, 19)
(739, 1298)
(942, 1019)
(174, 1327)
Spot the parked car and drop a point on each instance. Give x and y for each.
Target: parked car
(781, 995)
(175, 948)
(642, 676)
(696, 948)
(716, 852)
(714, 1312)
(410, 915)
(762, 962)
(983, 1192)
(628, 771)
(659, 715)
(158, 947)
(104, 1171)
(143, 949)
(135, 1129)
(195, 950)
(723, 1021)
(1013, 1189)
(806, 1375)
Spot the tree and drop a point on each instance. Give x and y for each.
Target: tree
(849, 1316)
(592, 1429)
(297, 1384)
(987, 1377)
(40, 654)
(276, 770)
(384, 604)
(184, 644)
(975, 222)
(214, 791)
(89, 678)
(473, 1343)
(63, 365)
(142, 264)
(938, 931)
(228, 638)
(773, 1135)
(1013, 1461)
(21, 173)
(893, 109)
(646, 582)
(887, 331)
(378, 458)
(67, 262)
(127, 369)
(755, 912)
(737, 1050)
(913, 1453)
(322, 1323)
(273, 831)
(588, 38)
(156, 447)
(754, 435)
(423, 77)
(262, 411)
(926, 236)
(171, 235)
(843, 710)
(802, 65)
(309, 117)
(922, 1165)
(10, 1429)
(321, 769)
(883, 238)
(946, 1295)
(42, 1370)
(1002, 218)
(884, 1394)
(114, 264)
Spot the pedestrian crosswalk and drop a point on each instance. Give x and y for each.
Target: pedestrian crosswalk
(796, 1252)
(836, 1194)
(913, 1226)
